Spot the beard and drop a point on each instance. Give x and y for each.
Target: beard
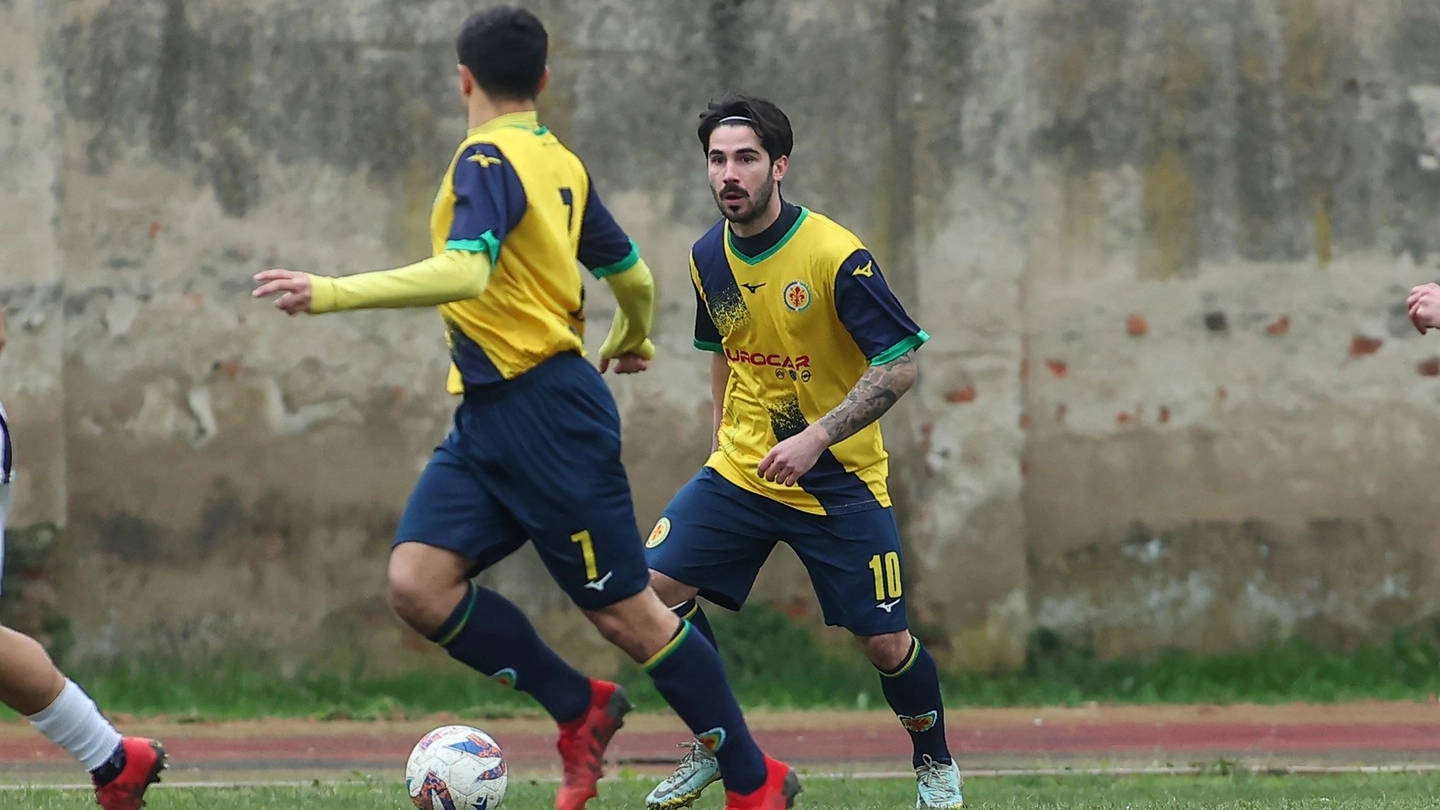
(752, 207)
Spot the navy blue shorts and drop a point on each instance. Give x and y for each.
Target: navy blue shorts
(536, 458)
(715, 536)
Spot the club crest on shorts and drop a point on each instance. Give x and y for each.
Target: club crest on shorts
(797, 296)
(659, 533)
(505, 677)
(920, 723)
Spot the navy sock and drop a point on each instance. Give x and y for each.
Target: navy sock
(110, 769)
(690, 611)
(913, 692)
(506, 648)
(688, 674)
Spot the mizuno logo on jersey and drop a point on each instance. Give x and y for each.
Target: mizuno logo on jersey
(774, 360)
(867, 270)
(485, 161)
(753, 288)
(599, 584)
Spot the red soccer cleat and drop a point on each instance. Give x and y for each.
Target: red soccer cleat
(778, 793)
(144, 760)
(582, 744)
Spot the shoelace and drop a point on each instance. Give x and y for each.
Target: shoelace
(932, 775)
(693, 756)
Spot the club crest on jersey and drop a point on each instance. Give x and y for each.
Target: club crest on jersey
(920, 723)
(659, 533)
(797, 296)
(712, 739)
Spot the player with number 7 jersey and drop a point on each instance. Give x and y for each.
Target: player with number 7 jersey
(533, 454)
(512, 183)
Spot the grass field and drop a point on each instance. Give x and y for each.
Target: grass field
(788, 668)
(1390, 791)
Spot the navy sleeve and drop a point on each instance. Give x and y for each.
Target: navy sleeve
(871, 313)
(707, 337)
(604, 246)
(489, 201)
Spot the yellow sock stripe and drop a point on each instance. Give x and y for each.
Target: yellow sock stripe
(694, 608)
(909, 662)
(665, 651)
(464, 620)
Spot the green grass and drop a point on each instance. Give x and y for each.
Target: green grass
(1392, 792)
(783, 665)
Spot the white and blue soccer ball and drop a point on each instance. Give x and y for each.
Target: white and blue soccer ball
(456, 768)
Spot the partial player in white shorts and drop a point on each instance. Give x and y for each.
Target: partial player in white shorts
(121, 768)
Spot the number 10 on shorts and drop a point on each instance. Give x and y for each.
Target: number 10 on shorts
(886, 568)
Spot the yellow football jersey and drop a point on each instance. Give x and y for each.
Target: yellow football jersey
(517, 194)
(799, 319)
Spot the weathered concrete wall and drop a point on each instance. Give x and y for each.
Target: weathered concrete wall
(1255, 183)
(1158, 244)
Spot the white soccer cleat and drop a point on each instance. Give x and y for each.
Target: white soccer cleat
(697, 770)
(940, 785)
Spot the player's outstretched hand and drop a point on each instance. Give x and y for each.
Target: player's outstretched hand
(627, 363)
(792, 458)
(1424, 306)
(294, 289)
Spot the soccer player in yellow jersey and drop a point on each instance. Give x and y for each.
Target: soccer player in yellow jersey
(534, 453)
(810, 347)
(121, 768)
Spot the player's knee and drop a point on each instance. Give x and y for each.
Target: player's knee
(421, 584)
(408, 592)
(886, 651)
(671, 592)
(622, 629)
(406, 598)
(639, 625)
(613, 627)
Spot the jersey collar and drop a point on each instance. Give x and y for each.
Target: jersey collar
(776, 238)
(529, 119)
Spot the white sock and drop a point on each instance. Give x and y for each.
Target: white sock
(74, 723)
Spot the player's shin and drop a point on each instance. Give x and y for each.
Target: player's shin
(913, 691)
(489, 634)
(57, 707)
(29, 681)
(73, 722)
(689, 675)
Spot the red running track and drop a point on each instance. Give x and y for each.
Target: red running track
(855, 739)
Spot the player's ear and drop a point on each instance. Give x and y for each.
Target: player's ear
(467, 82)
(544, 81)
(779, 167)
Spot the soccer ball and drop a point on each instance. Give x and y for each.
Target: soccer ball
(456, 768)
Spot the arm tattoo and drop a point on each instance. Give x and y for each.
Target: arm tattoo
(878, 389)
